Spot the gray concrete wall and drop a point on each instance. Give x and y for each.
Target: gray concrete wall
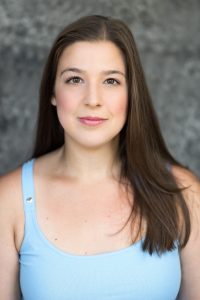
(167, 35)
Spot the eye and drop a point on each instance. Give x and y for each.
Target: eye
(112, 81)
(73, 80)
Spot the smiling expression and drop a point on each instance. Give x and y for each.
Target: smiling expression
(90, 92)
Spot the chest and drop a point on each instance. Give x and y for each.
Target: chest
(127, 274)
(82, 219)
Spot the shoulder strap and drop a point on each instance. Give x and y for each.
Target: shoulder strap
(28, 185)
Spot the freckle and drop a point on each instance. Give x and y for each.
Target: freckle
(47, 218)
(85, 221)
(55, 239)
(108, 216)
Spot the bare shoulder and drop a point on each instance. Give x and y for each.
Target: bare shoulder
(188, 180)
(185, 176)
(189, 255)
(11, 217)
(11, 196)
(10, 183)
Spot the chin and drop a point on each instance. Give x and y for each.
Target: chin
(94, 143)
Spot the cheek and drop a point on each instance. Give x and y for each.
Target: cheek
(65, 102)
(119, 107)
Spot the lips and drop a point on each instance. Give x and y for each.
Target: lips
(92, 121)
(92, 118)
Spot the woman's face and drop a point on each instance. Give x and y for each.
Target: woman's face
(91, 83)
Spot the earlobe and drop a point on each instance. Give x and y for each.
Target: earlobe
(53, 101)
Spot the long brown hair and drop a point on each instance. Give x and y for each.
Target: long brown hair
(144, 156)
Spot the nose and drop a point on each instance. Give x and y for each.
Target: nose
(92, 95)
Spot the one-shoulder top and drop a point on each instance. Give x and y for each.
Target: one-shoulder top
(48, 273)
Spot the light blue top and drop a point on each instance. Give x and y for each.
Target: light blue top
(47, 273)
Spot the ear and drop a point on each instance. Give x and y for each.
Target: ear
(53, 100)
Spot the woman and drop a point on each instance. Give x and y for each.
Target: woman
(102, 210)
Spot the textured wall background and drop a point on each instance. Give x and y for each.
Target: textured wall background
(167, 35)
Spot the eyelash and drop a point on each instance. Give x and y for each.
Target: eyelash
(76, 77)
(69, 79)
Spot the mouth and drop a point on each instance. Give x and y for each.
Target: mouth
(91, 121)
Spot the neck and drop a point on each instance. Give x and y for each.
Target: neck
(90, 164)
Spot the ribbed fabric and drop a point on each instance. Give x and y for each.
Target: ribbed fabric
(47, 273)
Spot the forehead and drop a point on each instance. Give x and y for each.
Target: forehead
(98, 54)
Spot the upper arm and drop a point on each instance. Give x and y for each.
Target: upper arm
(190, 254)
(9, 266)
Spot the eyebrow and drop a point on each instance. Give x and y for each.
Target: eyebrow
(77, 70)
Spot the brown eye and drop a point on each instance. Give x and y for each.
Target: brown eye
(73, 80)
(112, 81)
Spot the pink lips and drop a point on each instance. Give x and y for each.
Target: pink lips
(91, 121)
